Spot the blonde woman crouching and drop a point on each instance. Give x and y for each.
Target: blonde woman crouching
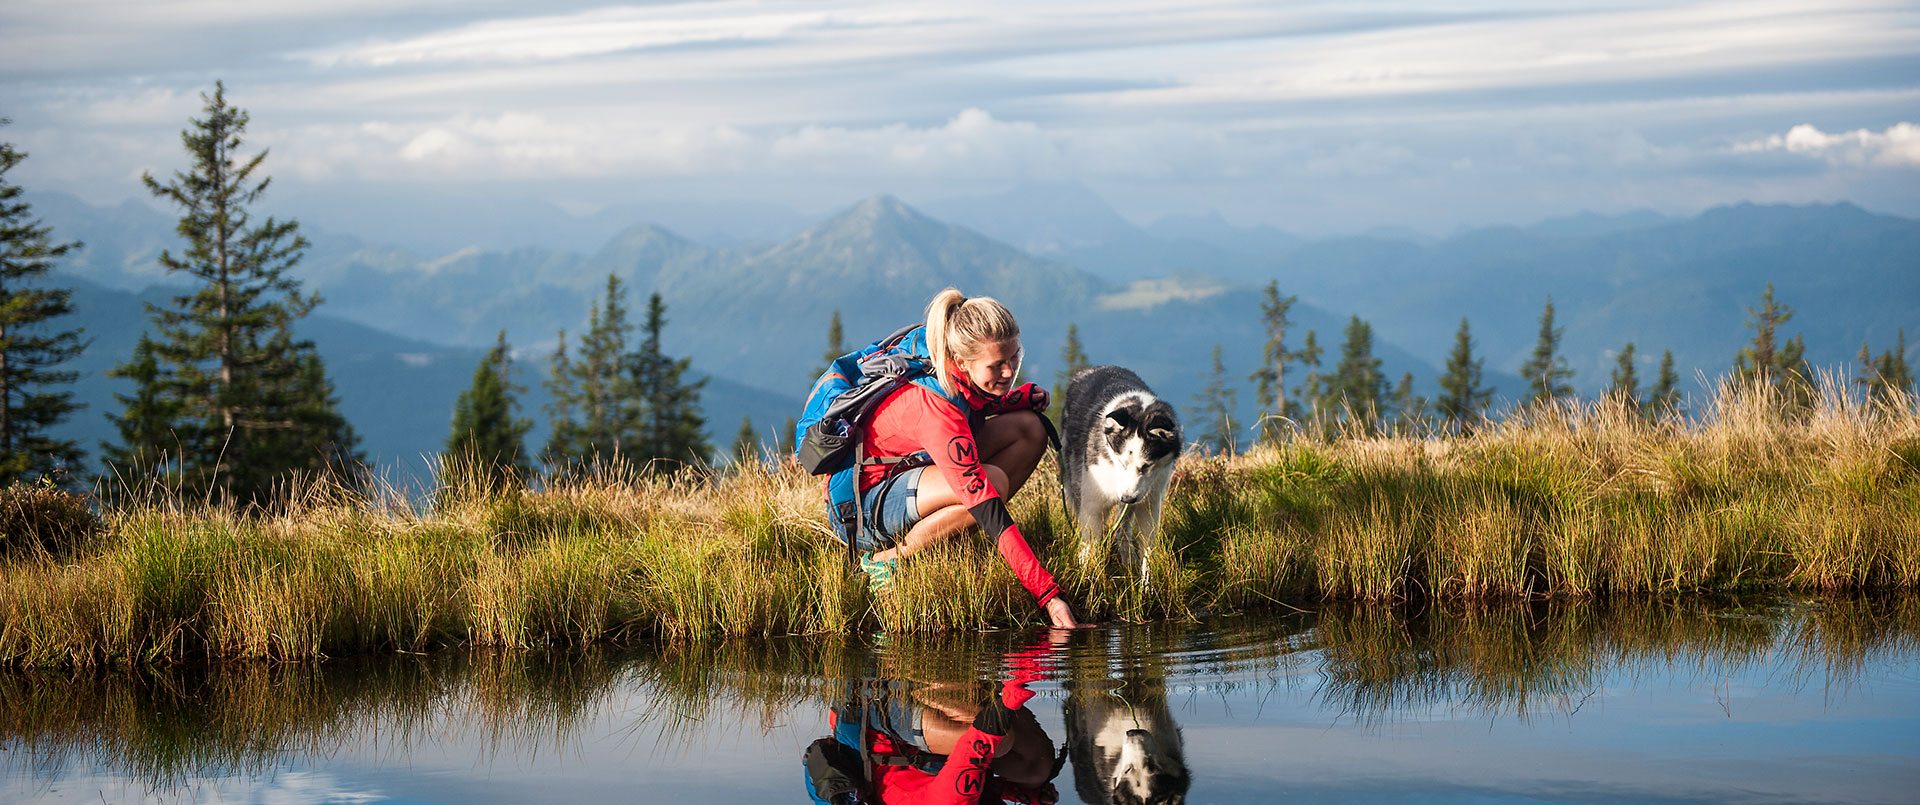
(983, 436)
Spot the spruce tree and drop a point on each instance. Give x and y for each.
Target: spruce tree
(1310, 396)
(487, 431)
(1546, 372)
(1664, 399)
(1624, 382)
(1213, 409)
(147, 448)
(1462, 404)
(1073, 359)
(252, 401)
(1270, 379)
(1869, 379)
(1894, 369)
(1358, 388)
(611, 397)
(670, 421)
(313, 408)
(1885, 378)
(746, 444)
(1409, 408)
(32, 342)
(1766, 361)
(563, 426)
(596, 407)
(783, 440)
(836, 340)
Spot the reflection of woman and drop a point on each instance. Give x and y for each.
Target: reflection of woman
(936, 749)
(983, 435)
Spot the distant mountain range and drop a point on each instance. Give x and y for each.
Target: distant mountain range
(402, 332)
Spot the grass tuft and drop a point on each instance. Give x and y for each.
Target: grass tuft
(1566, 501)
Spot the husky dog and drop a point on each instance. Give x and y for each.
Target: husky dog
(1125, 747)
(1119, 448)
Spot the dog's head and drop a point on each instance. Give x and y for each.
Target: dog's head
(1144, 436)
(1148, 774)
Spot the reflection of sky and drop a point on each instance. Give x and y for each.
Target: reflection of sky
(1645, 731)
(1651, 733)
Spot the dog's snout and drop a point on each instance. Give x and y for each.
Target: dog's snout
(1130, 499)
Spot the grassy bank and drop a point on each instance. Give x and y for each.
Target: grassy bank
(1579, 501)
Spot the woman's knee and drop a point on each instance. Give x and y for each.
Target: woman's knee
(1018, 428)
(1027, 427)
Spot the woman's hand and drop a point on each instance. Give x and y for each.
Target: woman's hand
(1061, 615)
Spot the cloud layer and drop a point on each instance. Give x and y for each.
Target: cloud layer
(1366, 114)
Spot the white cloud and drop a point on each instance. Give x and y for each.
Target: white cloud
(972, 141)
(538, 145)
(1898, 146)
(587, 33)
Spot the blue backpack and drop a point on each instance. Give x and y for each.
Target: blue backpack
(832, 426)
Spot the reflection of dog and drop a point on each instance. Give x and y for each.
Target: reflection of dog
(1120, 446)
(1125, 751)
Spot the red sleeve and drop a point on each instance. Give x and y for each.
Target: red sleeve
(917, 420)
(960, 782)
(1028, 397)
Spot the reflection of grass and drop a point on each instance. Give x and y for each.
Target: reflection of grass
(165, 726)
(1573, 501)
(1542, 657)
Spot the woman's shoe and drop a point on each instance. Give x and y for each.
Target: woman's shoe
(879, 573)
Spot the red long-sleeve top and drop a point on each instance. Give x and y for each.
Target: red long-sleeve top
(916, 420)
(960, 782)
(963, 779)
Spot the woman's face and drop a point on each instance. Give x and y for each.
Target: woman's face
(992, 369)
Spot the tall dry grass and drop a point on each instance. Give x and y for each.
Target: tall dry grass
(1578, 499)
(1574, 499)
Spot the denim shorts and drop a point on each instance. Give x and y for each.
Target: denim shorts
(891, 508)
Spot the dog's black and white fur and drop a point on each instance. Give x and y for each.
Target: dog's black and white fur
(1119, 447)
(1125, 747)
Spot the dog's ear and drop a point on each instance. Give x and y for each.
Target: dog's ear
(1118, 419)
(1159, 423)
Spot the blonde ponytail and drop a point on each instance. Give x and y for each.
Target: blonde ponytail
(958, 326)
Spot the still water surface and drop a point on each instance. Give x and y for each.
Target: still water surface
(1751, 700)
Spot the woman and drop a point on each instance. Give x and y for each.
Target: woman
(984, 437)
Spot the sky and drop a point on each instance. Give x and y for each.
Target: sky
(1316, 118)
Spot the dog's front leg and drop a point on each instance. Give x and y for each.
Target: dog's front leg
(1143, 520)
(1093, 527)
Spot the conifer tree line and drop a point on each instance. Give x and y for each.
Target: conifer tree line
(615, 398)
(229, 404)
(1353, 397)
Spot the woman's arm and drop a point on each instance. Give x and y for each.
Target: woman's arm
(935, 425)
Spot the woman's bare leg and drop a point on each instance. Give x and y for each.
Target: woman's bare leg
(948, 515)
(1010, 446)
(1015, 442)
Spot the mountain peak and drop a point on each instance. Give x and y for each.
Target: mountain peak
(883, 216)
(879, 208)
